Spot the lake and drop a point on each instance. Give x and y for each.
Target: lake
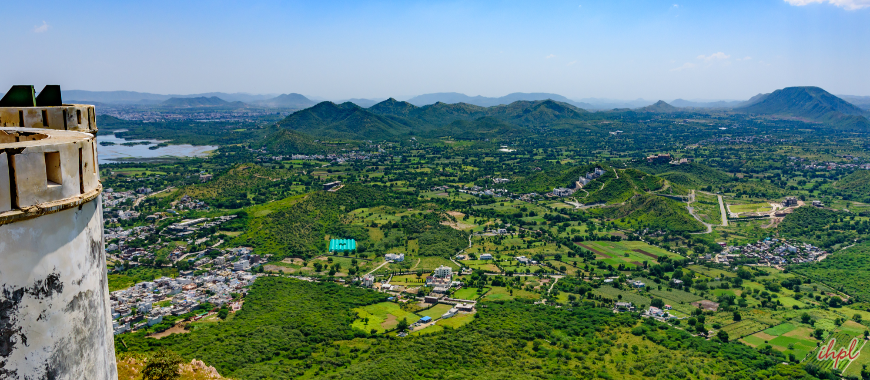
(121, 153)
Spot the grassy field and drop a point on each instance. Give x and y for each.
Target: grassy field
(500, 293)
(639, 301)
(466, 294)
(382, 317)
(457, 320)
(749, 207)
(628, 253)
(484, 265)
(436, 311)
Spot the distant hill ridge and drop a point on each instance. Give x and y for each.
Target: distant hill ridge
(482, 101)
(292, 100)
(392, 117)
(201, 101)
(810, 103)
(660, 106)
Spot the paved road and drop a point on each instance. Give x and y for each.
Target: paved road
(723, 211)
(379, 267)
(692, 212)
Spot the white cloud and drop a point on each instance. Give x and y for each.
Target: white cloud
(676, 5)
(571, 63)
(849, 5)
(744, 59)
(685, 66)
(550, 56)
(719, 55)
(41, 28)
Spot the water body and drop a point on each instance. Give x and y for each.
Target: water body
(121, 153)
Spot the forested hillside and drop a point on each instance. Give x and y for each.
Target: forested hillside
(290, 328)
(653, 212)
(847, 271)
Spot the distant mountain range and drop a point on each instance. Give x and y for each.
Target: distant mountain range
(200, 101)
(132, 97)
(860, 101)
(298, 101)
(714, 104)
(455, 97)
(811, 103)
(392, 118)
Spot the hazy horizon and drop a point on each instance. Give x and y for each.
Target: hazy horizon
(339, 50)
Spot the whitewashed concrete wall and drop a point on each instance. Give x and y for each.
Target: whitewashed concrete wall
(55, 320)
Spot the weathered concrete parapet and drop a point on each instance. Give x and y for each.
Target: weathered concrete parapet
(55, 319)
(68, 117)
(44, 166)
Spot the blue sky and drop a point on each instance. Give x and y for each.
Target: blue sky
(335, 49)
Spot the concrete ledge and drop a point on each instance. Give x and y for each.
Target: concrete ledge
(68, 117)
(49, 207)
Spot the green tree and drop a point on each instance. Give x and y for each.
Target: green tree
(722, 335)
(163, 365)
(403, 324)
(737, 316)
(806, 318)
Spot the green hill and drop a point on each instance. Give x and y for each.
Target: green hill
(847, 270)
(692, 174)
(285, 141)
(392, 118)
(855, 186)
(393, 107)
(811, 103)
(344, 121)
(653, 212)
(230, 189)
(660, 107)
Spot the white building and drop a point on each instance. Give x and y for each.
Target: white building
(486, 256)
(443, 272)
(368, 280)
(396, 257)
(241, 265)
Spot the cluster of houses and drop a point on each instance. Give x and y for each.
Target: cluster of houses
(119, 236)
(188, 203)
(190, 226)
(581, 182)
(773, 252)
(145, 304)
